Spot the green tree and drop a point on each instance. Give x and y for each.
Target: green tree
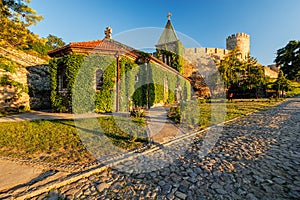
(15, 17)
(44, 45)
(54, 41)
(241, 74)
(19, 11)
(230, 68)
(282, 84)
(288, 58)
(253, 74)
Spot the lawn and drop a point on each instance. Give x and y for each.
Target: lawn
(295, 89)
(188, 118)
(60, 141)
(83, 140)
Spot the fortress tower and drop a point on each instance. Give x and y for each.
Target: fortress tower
(240, 40)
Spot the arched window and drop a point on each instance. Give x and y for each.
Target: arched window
(136, 78)
(99, 79)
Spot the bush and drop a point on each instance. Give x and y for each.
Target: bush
(137, 112)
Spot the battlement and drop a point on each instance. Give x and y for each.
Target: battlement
(209, 51)
(238, 35)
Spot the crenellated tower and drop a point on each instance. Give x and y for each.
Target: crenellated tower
(240, 40)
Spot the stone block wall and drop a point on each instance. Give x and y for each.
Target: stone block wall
(39, 87)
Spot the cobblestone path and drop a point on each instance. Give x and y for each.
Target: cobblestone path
(254, 157)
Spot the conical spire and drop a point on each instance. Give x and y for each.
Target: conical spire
(168, 35)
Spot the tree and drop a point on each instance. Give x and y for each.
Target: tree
(15, 17)
(282, 83)
(288, 58)
(54, 41)
(254, 74)
(241, 74)
(15, 33)
(19, 11)
(230, 68)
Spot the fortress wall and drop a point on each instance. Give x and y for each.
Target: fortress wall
(270, 73)
(208, 51)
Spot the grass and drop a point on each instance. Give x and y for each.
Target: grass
(241, 108)
(295, 89)
(216, 112)
(83, 140)
(60, 141)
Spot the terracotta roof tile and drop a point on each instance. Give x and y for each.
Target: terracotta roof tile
(88, 46)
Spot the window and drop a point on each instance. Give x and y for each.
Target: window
(169, 60)
(99, 79)
(136, 78)
(166, 88)
(62, 79)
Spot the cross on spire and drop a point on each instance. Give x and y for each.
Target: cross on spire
(169, 16)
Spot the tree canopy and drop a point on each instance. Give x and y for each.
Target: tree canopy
(241, 74)
(15, 18)
(288, 58)
(19, 11)
(282, 83)
(54, 41)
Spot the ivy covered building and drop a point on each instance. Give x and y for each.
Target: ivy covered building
(119, 77)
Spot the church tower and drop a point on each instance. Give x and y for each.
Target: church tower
(169, 44)
(168, 39)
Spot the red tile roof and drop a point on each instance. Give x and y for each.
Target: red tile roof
(88, 44)
(87, 47)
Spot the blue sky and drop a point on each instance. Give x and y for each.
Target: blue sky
(270, 23)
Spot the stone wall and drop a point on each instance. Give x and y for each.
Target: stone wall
(20, 57)
(204, 68)
(35, 79)
(11, 100)
(270, 72)
(39, 87)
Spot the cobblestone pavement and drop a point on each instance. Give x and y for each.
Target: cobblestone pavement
(254, 157)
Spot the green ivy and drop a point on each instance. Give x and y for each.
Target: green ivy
(176, 59)
(62, 102)
(81, 84)
(157, 76)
